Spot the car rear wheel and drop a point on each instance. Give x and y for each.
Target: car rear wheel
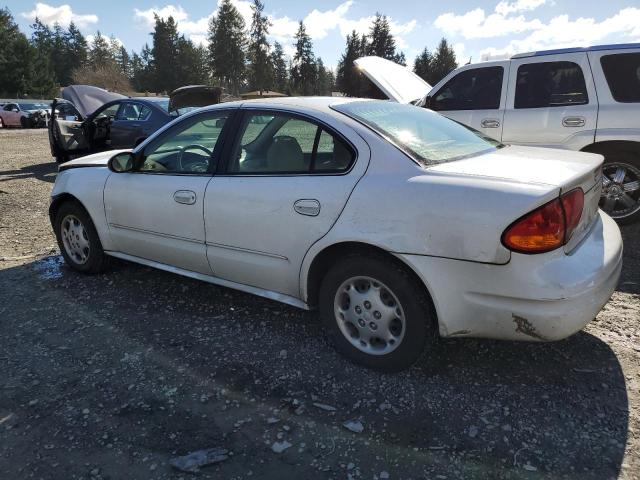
(621, 188)
(375, 313)
(78, 239)
(25, 122)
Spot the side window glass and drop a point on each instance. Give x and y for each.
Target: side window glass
(474, 89)
(145, 112)
(187, 148)
(109, 112)
(332, 154)
(622, 72)
(286, 145)
(128, 111)
(550, 84)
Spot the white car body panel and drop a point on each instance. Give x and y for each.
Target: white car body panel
(443, 222)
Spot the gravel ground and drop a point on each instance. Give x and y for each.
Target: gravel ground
(112, 376)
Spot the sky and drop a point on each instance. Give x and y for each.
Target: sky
(478, 30)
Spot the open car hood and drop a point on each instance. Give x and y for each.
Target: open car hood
(87, 98)
(397, 82)
(193, 96)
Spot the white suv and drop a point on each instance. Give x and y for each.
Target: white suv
(585, 99)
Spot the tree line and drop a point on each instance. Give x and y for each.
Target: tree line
(235, 56)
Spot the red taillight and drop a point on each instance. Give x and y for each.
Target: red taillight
(547, 227)
(572, 203)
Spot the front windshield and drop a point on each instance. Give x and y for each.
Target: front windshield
(425, 136)
(34, 106)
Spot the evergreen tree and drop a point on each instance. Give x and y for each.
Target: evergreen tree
(165, 54)
(15, 57)
(260, 71)
(348, 79)
(381, 42)
(423, 65)
(303, 72)
(444, 60)
(76, 49)
(226, 47)
(42, 81)
(100, 53)
(192, 63)
(323, 83)
(280, 72)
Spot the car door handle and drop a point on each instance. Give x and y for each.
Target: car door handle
(573, 121)
(490, 123)
(308, 207)
(186, 197)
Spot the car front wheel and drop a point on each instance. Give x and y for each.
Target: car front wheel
(376, 313)
(78, 239)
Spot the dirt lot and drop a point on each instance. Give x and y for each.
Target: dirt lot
(111, 376)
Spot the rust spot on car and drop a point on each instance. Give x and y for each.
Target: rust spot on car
(524, 326)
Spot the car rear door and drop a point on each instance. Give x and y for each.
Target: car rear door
(127, 126)
(286, 179)
(156, 211)
(474, 96)
(551, 102)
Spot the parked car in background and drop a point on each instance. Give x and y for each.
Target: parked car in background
(89, 119)
(396, 222)
(25, 114)
(585, 99)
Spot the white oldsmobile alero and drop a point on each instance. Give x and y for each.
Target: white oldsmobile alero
(397, 223)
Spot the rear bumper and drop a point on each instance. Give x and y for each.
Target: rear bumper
(534, 297)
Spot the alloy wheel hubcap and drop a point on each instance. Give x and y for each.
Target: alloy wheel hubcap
(620, 189)
(75, 239)
(369, 315)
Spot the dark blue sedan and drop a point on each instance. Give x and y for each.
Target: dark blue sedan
(89, 119)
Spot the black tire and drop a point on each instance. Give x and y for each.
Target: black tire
(25, 122)
(630, 162)
(96, 260)
(420, 325)
(61, 158)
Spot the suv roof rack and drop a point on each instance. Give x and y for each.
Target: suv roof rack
(595, 48)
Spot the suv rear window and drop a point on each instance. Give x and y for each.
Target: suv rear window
(622, 71)
(550, 84)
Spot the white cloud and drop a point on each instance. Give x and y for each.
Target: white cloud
(477, 24)
(562, 32)
(147, 17)
(320, 23)
(505, 8)
(62, 15)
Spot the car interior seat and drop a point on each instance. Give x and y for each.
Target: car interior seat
(285, 155)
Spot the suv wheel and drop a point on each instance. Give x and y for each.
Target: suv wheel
(375, 313)
(621, 188)
(78, 239)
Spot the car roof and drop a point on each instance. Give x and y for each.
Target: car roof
(150, 99)
(320, 104)
(593, 48)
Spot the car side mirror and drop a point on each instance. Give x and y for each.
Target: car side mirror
(121, 162)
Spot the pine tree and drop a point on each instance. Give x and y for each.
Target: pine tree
(100, 53)
(76, 48)
(423, 65)
(323, 83)
(260, 71)
(381, 42)
(164, 51)
(444, 60)
(16, 54)
(226, 47)
(303, 72)
(348, 79)
(280, 72)
(192, 63)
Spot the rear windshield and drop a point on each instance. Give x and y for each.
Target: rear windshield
(425, 136)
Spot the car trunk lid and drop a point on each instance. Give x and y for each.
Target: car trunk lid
(194, 96)
(563, 169)
(399, 83)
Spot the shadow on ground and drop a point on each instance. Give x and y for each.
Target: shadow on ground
(117, 373)
(45, 172)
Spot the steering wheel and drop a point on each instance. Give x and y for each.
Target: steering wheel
(191, 147)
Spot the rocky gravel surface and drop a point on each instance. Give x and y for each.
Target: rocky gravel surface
(137, 374)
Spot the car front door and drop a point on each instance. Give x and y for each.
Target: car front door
(286, 180)
(127, 125)
(156, 211)
(11, 114)
(551, 102)
(474, 97)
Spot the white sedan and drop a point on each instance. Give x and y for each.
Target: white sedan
(397, 223)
